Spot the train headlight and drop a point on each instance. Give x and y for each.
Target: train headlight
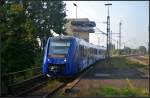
(65, 60)
(48, 75)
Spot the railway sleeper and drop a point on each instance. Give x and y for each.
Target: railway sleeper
(72, 90)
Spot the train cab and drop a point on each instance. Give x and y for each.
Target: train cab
(67, 56)
(56, 55)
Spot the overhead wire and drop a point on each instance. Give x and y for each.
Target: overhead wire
(99, 30)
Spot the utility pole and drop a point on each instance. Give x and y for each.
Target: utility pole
(111, 36)
(108, 32)
(111, 45)
(120, 37)
(117, 47)
(124, 45)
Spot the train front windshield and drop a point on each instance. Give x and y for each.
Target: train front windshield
(59, 47)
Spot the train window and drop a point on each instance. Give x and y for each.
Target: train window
(80, 48)
(99, 51)
(83, 51)
(96, 51)
(58, 46)
(88, 51)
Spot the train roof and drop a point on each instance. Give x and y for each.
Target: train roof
(90, 45)
(63, 37)
(81, 41)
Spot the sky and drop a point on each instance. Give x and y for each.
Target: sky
(134, 16)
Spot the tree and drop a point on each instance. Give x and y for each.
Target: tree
(22, 21)
(127, 50)
(47, 15)
(142, 49)
(18, 38)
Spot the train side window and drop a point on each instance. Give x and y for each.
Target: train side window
(88, 51)
(96, 51)
(91, 51)
(102, 52)
(85, 51)
(82, 50)
(99, 52)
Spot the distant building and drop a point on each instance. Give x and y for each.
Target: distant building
(80, 27)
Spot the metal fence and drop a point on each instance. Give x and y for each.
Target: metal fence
(19, 76)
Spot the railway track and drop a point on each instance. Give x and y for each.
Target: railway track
(26, 85)
(50, 87)
(68, 86)
(43, 90)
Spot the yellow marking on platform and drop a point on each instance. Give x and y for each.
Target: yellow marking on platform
(129, 83)
(145, 92)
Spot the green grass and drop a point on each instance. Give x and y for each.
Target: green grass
(110, 91)
(122, 62)
(119, 62)
(60, 94)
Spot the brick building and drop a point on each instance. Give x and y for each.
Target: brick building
(80, 27)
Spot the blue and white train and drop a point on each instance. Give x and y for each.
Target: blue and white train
(67, 56)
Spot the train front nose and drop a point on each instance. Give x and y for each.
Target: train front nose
(57, 60)
(56, 65)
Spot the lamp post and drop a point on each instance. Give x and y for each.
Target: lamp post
(108, 32)
(120, 37)
(76, 15)
(76, 8)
